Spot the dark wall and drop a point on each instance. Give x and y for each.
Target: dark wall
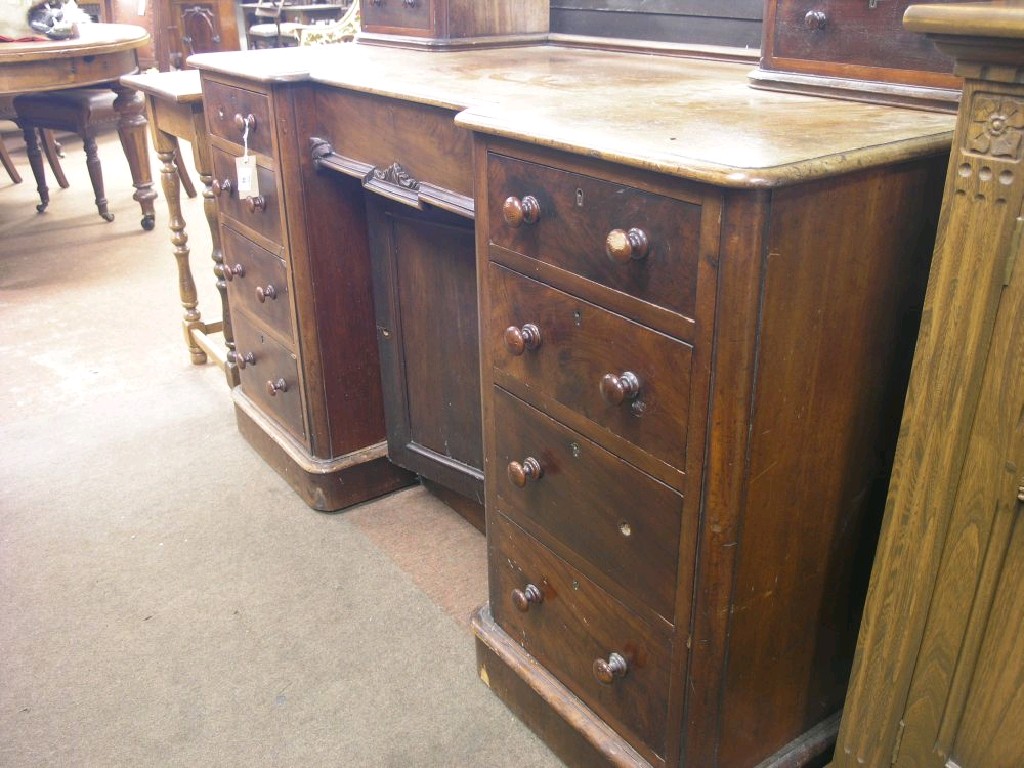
(708, 22)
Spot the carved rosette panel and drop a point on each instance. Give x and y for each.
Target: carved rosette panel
(993, 146)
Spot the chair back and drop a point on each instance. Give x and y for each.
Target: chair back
(269, 9)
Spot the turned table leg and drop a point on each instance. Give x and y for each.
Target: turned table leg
(131, 127)
(167, 150)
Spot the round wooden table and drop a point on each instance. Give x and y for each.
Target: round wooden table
(99, 56)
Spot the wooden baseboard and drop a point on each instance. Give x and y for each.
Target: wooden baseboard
(325, 485)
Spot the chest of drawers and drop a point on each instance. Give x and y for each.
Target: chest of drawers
(309, 398)
(443, 24)
(690, 397)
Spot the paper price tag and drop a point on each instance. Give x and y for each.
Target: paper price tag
(248, 182)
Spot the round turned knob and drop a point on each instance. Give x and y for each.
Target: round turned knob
(815, 20)
(230, 272)
(257, 203)
(218, 187)
(606, 670)
(530, 469)
(623, 246)
(517, 212)
(273, 387)
(248, 121)
(518, 340)
(243, 359)
(618, 389)
(523, 598)
(409, 3)
(262, 294)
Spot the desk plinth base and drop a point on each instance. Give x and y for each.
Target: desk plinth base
(326, 485)
(570, 730)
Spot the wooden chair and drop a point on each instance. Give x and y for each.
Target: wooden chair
(272, 32)
(49, 144)
(85, 111)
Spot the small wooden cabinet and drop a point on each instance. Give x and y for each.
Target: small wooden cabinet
(310, 396)
(444, 24)
(855, 49)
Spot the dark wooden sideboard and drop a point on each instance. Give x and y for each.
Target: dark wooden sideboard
(696, 303)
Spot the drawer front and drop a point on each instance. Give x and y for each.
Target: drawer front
(576, 218)
(270, 377)
(411, 17)
(227, 106)
(618, 519)
(261, 213)
(574, 626)
(257, 282)
(586, 360)
(853, 33)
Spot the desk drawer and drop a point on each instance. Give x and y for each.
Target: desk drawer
(586, 360)
(257, 282)
(842, 32)
(570, 625)
(578, 215)
(227, 106)
(620, 520)
(270, 376)
(409, 17)
(260, 213)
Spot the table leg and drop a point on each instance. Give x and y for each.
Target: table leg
(166, 150)
(35, 161)
(204, 167)
(131, 127)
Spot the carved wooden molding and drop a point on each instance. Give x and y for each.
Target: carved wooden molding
(392, 182)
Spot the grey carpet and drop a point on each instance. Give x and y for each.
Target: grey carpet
(165, 599)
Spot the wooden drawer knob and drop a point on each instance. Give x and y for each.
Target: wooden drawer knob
(230, 272)
(618, 389)
(517, 212)
(530, 469)
(522, 599)
(815, 20)
(273, 387)
(257, 203)
(219, 187)
(518, 340)
(262, 294)
(242, 123)
(244, 359)
(607, 670)
(623, 246)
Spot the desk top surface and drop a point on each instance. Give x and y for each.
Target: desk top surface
(93, 40)
(692, 118)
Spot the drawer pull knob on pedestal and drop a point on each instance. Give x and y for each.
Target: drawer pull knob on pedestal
(519, 474)
(815, 20)
(257, 203)
(247, 122)
(618, 389)
(243, 359)
(221, 187)
(230, 272)
(624, 246)
(273, 387)
(523, 598)
(518, 340)
(607, 670)
(262, 294)
(517, 212)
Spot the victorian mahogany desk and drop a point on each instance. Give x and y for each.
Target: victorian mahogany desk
(656, 320)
